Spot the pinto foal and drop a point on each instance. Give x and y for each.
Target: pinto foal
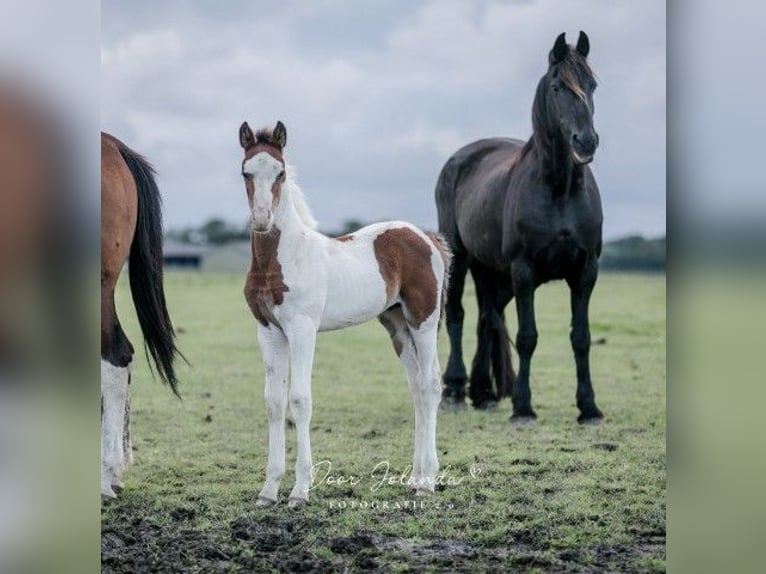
(301, 282)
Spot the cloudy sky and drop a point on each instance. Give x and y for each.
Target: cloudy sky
(375, 94)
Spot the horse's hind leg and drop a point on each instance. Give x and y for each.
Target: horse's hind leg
(502, 363)
(417, 350)
(426, 393)
(116, 356)
(455, 376)
(480, 390)
(127, 442)
(396, 325)
(581, 288)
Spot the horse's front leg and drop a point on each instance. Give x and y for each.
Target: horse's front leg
(523, 278)
(276, 356)
(581, 288)
(301, 334)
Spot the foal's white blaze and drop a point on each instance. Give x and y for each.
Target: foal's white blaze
(264, 170)
(114, 394)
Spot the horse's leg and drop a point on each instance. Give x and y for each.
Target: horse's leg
(455, 375)
(396, 325)
(581, 288)
(116, 356)
(301, 335)
(276, 357)
(480, 390)
(427, 396)
(502, 363)
(526, 338)
(127, 442)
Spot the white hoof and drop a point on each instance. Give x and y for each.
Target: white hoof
(107, 494)
(263, 501)
(297, 502)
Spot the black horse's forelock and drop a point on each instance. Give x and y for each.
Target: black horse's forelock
(572, 70)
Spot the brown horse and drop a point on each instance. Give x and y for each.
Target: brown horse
(131, 230)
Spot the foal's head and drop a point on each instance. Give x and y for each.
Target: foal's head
(263, 168)
(567, 98)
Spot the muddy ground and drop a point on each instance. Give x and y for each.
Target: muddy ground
(269, 543)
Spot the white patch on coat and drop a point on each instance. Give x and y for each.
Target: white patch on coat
(114, 394)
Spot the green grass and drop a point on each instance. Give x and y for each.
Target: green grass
(553, 496)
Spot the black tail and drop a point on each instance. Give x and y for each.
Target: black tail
(445, 202)
(502, 364)
(145, 271)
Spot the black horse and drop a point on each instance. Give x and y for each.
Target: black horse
(518, 215)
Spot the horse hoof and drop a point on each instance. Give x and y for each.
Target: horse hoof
(487, 405)
(451, 404)
(423, 492)
(107, 496)
(524, 420)
(297, 502)
(591, 421)
(118, 488)
(263, 501)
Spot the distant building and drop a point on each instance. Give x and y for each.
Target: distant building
(177, 255)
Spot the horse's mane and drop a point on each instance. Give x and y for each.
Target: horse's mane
(299, 200)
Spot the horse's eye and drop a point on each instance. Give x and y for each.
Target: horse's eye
(247, 176)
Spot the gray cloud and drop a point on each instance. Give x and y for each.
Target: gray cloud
(375, 95)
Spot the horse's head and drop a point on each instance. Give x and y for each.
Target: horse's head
(569, 85)
(263, 168)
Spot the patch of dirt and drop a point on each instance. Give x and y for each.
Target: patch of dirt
(132, 542)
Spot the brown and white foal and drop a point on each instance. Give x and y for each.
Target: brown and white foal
(301, 282)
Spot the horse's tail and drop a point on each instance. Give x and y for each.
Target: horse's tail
(502, 364)
(145, 271)
(445, 200)
(446, 254)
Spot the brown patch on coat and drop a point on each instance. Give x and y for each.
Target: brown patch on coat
(265, 286)
(404, 259)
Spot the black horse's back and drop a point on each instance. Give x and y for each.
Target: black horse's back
(474, 183)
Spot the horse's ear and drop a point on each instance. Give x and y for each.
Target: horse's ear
(583, 44)
(246, 137)
(280, 134)
(559, 49)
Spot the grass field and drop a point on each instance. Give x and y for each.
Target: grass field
(553, 497)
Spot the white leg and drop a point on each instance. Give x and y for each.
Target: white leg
(276, 356)
(127, 441)
(427, 398)
(301, 334)
(410, 361)
(114, 392)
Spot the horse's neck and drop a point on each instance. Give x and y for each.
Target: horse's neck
(559, 170)
(288, 225)
(288, 217)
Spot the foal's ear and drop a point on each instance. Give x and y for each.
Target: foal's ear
(280, 134)
(559, 49)
(583, 44)
(246, 137)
